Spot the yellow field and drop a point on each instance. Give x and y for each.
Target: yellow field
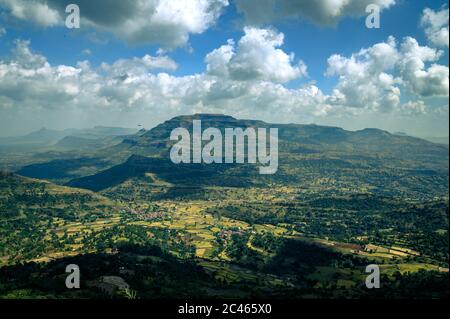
(201, 230)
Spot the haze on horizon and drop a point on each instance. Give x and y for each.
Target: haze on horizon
(142, 63)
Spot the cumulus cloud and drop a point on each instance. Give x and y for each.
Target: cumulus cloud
(22, 56)
(363, 81)
(414, 108)
(28, 81)
(256, 57)
(322, 12)
(373, 78)
(139, 66)
(431, 81)
(165, 22)
(38, 12)
(368, 81)
(436, 26)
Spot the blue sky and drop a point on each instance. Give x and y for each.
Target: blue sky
(313, 37)
(311, 43)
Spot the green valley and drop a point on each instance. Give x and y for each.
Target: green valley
(341, 200)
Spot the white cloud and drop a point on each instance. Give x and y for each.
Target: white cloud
(363, 81)
(139, 66)
(423, 81)
(322, 12)
(24, 57)
(28, 81)
(414, 108)
(217, 61)
(2, 31)
(373, 78)
(256, 57)
(33, 11)
(436, 26)
(159, 62)
(368, 82)
(165, 22)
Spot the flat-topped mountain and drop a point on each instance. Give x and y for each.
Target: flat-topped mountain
(298, 139)
(369, 158)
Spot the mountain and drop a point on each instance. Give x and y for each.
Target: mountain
(366, 159)
(341, 200)
(63, 170)
(46, 137)
(294, 138)
(75, 142)
(45, 146)
(87, 144)
(187, 175)
(41, 137)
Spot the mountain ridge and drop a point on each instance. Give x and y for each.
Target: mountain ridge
(307, 152)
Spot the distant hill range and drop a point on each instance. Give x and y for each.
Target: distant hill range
(47, 137)
(369, 159)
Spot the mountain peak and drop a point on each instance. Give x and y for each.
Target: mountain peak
(374, 131)
(204, 117)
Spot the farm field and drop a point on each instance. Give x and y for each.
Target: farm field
(232, 252)
(308, 232)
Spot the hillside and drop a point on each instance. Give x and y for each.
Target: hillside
(47, 137)
(369, 159)
(31, 210)
(302, 138)
(238, 242)
(340, 200)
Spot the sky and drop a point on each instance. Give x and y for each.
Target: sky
(141, 62)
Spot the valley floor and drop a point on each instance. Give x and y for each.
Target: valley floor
(278, 249)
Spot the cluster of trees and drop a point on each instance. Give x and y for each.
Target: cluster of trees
(380, 220)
